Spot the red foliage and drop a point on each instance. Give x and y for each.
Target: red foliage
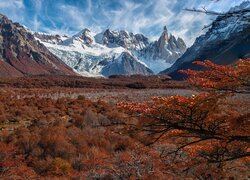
(201, 129)
(12, 164)
(234, 78)
(48, 133)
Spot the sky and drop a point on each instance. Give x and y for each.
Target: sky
(137, 16)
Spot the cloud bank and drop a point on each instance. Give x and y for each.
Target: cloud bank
(138, 16)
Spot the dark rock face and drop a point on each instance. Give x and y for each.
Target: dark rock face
(167, 47)
(125, 64)
(86, 37)
(124, 39)
(225, 42)
(21, 54)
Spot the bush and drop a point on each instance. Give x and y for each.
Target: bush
(81, 98)
(60, 167)
(136, 85)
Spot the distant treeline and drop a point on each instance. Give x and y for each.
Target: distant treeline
(113, 82)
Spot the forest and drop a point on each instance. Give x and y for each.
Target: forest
(50, 129)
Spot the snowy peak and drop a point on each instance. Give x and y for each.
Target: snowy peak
(166, 49)
(126, 63)
(115, 52)
(54, 39)
(86, 36)
(122, 38)
(244, 5)
(80, 40)
(227, 40)
(168, 43)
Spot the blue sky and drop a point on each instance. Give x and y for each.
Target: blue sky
(138, 16)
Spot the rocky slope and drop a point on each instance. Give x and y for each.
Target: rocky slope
(167, 47)
(21, 54)
(226, 41)
(114, 52)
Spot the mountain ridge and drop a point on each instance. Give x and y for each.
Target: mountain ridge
(227, 40)
(85, 51)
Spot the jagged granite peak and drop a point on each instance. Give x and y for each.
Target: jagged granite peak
(21, 54)
(164, 35)
(227, 40)
(164, 51)
(122, 38)
(167, 45)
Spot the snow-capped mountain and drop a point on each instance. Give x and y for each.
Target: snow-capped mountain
(53, 39)
(114, 52)
(167, 47)
(227, 40)
(124, 64)
(123, 39)
(162, 53)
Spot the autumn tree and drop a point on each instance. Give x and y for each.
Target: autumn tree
(203, 132)
(232, 78)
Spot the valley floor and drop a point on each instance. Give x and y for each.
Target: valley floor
(72, 128)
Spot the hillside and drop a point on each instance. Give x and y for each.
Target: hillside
(227, 40)
(21, 54)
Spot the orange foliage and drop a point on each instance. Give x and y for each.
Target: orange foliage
(12, 164)
(218, 77)
(64, 138)
(44, 134)
(201, 129)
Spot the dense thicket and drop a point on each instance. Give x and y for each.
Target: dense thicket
(67, 138)
(203, 136)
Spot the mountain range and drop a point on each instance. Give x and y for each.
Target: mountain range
(114, 52)
(226, 41)
(23, 52)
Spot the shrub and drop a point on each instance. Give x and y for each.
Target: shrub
(59, 167)
(136, 85)
(81, 97)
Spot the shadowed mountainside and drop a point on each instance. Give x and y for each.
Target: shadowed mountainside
(21, 54)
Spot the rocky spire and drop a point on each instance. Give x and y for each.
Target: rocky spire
(165, 28)
(165, 36)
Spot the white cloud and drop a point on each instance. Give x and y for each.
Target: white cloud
(37, 4)
(12, 4)
(148, 16)
(72, 15)
(13, 8)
